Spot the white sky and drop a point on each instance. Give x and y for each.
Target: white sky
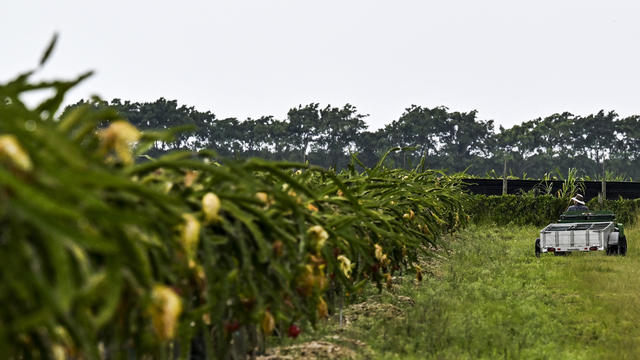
(510, 60)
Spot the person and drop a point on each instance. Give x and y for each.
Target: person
(578, 204)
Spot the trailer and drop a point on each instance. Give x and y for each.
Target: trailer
(583, 232)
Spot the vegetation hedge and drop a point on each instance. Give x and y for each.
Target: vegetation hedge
(514, 209)
(626, 210)
(539, 210)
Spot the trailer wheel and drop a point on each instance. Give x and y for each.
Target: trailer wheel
(612, 250)
(622, 246)
(538, 250)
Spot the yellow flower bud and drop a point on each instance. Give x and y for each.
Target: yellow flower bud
(384, 260)
(119, 136)
(165, 310)
(190, 234)
(318, 237)
(206, 318)
(345, 265)
(306, 281)
(263, 197)
(378, 251)
(12, 152)
(211, 206)
(190, 177)
(268, 323)
(58, 351)
(322, 309)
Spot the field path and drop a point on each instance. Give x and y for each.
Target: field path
(491, 298)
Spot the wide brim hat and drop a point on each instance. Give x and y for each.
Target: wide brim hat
(578, 199)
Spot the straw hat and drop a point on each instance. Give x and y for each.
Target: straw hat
(578, 199)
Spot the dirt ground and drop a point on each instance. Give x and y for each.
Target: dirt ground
(338, 346)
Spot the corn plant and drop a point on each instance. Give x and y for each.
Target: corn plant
(571, 185)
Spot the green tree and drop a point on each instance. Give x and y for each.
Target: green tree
(303, 127)
(466, 138)
(338, 131)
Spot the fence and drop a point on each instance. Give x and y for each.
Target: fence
(615, 189)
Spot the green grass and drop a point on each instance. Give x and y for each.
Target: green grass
(491, 298)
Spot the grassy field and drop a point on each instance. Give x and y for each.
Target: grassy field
(491, 298)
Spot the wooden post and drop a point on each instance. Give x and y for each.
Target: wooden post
(604, 184)
(504, 178)
(341, 303)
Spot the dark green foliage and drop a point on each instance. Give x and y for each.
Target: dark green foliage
(449, 140)
(515, 209)
(539, 210)
(626, 210)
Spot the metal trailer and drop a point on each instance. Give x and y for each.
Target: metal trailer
(590, 231)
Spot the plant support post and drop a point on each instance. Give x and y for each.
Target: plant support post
(604, 183)
(504, 178)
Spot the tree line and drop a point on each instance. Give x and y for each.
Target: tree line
(454, 141)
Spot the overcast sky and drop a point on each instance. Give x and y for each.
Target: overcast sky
(510, 60)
